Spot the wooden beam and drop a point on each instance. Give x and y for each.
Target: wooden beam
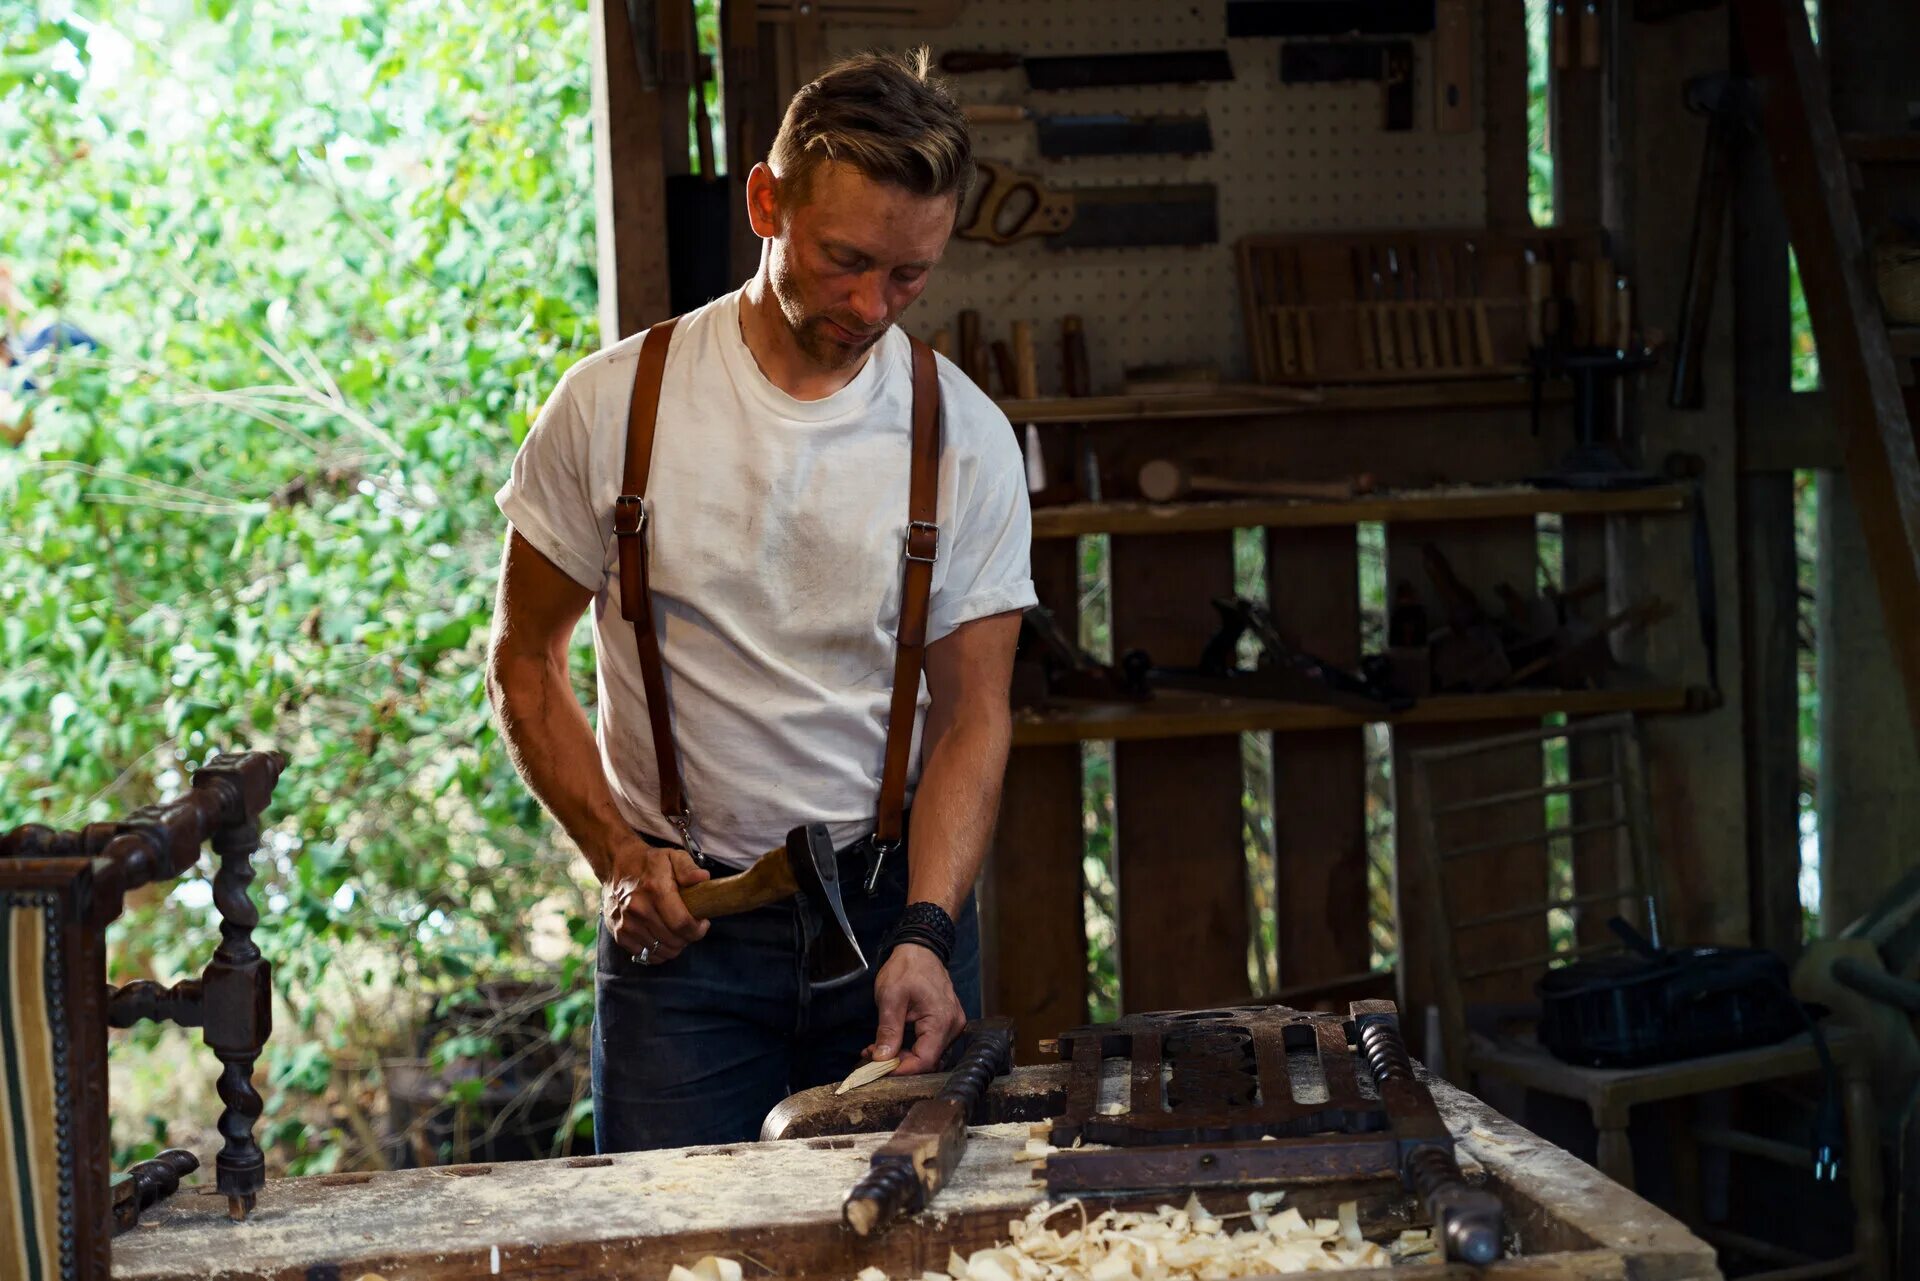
(630, 204)
(1856, 362)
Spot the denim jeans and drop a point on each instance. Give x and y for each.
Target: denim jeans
(700, 1048)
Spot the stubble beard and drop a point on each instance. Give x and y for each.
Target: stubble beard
(810, 329)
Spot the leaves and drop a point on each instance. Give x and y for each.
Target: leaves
(333, 264)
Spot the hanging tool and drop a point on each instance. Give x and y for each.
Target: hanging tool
(1452, 67)
(911, 1167)
(1729, 105)
(1011, 205)
(1099, 70)
(1110, 134)
(1026, 376)
(1389, 62)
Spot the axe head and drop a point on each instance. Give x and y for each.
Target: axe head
(835, 957)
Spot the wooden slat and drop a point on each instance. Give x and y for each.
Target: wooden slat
(630, 203)
(1483, 554)
(1177, 714)
(1074, 519)
(1856, 362)
(1591, 769)
(1178, 820)
(1319, 779)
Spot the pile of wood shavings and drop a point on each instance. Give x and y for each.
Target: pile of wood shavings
(1170, 1244)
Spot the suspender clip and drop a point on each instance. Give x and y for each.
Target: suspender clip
(923, 541)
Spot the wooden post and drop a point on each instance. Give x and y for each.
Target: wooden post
(1503, 113)
(1768, 576)
(1178, 821)
(1035, 945)
(1856, 362)
(630, 203)
(1319, 779)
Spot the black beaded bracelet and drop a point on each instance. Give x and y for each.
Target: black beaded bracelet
(928, 925)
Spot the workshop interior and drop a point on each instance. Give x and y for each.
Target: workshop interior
(1450, 581)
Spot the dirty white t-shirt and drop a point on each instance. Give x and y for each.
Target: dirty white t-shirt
(777, 529)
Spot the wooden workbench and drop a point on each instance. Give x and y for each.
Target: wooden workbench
(777, 1205)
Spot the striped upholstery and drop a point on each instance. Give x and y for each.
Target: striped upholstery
(37, 1182)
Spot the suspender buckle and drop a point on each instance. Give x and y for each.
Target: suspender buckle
(629, 516)
(923, 541)
(877, 851)
(683, 824)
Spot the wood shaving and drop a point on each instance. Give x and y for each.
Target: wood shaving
(865, 1073)
(713, 1268)
(1062, 1243)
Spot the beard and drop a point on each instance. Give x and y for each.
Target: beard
(813, 331)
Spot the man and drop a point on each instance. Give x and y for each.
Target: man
(774, 539)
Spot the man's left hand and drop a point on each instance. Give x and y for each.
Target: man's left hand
(914, 990)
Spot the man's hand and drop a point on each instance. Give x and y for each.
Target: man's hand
(640, 899)
(914, 989)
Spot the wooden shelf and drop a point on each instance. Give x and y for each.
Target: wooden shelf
(1074, 519)
(1462, 393)
(1180, 714)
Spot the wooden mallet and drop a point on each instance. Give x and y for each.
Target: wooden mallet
(1165, 481)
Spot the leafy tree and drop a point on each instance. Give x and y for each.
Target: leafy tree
(334, 256)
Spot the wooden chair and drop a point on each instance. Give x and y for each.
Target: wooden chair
(59, 1202)
(1606, 839)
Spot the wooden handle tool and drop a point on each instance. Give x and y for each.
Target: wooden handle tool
(1163, 481)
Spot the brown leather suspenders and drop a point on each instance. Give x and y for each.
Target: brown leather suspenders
(630, 517)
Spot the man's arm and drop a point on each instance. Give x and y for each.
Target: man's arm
(963, 754)
(551, 745)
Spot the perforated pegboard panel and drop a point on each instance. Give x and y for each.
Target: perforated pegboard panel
(1285, 158)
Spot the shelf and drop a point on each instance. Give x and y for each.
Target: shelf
(1073, 519)
(1263, 402)
(1180, 714)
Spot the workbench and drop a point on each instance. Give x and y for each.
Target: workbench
(774, 1206)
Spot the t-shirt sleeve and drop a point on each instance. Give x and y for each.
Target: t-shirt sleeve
(549, 497)
(989, 567)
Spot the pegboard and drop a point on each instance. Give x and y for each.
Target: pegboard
(1308, 157)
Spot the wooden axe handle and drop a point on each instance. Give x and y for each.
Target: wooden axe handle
(769, 880)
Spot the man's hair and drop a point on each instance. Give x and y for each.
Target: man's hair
(882, 114)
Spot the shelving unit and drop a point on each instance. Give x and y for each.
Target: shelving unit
(1074, 519)
(1179, 714)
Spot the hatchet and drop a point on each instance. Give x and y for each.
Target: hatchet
(805, 865)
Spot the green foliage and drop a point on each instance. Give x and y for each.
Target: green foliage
(335, 255)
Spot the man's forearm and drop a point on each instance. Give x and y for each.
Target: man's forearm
(956, 803)
(551, 744)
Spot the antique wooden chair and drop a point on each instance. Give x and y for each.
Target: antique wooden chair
(1607, 841)
(60, 1203)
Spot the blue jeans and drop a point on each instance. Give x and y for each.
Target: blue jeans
(700, 1048)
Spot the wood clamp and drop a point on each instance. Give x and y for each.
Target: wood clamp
(914, 1164)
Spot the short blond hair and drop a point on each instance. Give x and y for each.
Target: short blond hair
(886, 116)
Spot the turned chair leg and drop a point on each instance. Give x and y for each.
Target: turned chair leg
(1615, 1155)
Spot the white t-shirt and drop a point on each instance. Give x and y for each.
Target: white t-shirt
(777, 529)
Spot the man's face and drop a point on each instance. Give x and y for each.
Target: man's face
(849, 257)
